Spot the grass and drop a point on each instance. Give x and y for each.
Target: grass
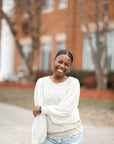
(92, 112)
(96, 104)
(18, 97)
(25, 98)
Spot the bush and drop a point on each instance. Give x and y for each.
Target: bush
(86, 78)
(80, 74)
(40, 74)
(90, 81)
(111, 82)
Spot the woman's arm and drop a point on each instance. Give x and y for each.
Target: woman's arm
(67, 108)
(37, 98)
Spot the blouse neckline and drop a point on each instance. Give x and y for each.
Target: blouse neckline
(58, 82)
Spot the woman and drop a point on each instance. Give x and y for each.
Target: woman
(60, 96)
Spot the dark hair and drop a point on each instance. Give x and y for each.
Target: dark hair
(65, 52)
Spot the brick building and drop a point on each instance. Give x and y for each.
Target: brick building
(62, 27)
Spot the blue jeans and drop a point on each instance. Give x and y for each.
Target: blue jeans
(78, 139)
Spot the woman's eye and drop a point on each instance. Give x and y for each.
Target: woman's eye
(67, 64)
(60, 61)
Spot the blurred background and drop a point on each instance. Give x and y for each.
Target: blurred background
(33, 31)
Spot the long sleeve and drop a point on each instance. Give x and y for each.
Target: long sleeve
(39, 128)
(66, 110)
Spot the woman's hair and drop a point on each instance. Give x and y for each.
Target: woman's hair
(65, 52)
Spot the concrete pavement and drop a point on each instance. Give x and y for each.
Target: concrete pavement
(16, 125)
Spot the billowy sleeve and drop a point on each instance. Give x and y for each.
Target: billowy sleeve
(39, 128)
(37, 93)
(67, 109)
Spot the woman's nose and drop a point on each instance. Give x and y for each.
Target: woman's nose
(62, 65)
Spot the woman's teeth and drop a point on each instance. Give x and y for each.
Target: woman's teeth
(60, 70)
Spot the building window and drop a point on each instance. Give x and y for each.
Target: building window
(61, 45)
(27, 49)
(46, 53)
(110, 43)
(61, 41)
(87, 58)
(62, 4)
(48, 6)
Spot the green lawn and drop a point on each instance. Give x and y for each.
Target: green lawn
(93, 112)
(22, 98)
(25, 98)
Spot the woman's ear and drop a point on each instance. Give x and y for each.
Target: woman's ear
(53, 62)
(68, 71)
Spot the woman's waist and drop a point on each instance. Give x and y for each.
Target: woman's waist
(59, 128)
(65, 133)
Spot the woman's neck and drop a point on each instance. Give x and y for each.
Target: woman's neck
(58, 79)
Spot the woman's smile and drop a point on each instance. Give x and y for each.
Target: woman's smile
(60, 70)
(61, 65)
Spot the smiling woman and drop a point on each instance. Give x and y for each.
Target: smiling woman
(61, 65)
(56, 105)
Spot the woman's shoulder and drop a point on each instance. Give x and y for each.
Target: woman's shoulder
(42, 79)
(73, 79)
(45, 78)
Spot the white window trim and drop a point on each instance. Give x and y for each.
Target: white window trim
(62, 7)
(48, 10)
(44, 39)
(92, 26)
(25, 41)
(61, 37)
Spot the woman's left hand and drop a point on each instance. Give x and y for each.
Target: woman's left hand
(36, 110)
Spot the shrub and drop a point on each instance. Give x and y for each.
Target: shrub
(90, 81)
(87, 78)
(80, 74)
(111, 82)
(40, 74)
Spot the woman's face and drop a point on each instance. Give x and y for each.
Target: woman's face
(62, 64)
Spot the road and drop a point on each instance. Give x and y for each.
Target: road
(16, 125)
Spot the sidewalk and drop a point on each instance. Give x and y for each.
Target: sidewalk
(16, 125)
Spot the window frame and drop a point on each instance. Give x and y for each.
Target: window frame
(48, 8)
(85, 48)
(62, 5)
(44, 49)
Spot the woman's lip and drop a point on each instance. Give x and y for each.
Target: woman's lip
(60, 70)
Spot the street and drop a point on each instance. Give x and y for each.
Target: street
(16, 125)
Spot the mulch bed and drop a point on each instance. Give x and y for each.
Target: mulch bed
(97, 94)
(84, 93)
(29, 86)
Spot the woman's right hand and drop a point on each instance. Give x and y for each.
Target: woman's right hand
(36, 110)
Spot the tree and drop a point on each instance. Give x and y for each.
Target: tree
(33, 11)
(100, 56)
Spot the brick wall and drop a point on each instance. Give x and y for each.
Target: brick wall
(69, 22)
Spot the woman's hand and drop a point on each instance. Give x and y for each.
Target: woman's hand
(36, 111)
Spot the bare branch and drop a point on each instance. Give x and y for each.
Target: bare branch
(105, 27)
(15, 37)
(88, 31)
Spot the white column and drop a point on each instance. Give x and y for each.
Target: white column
(7, 46)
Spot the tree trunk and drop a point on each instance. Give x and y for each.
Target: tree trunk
(100, 71)
(105, 54)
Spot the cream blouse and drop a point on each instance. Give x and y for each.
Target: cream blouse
(60, 105)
